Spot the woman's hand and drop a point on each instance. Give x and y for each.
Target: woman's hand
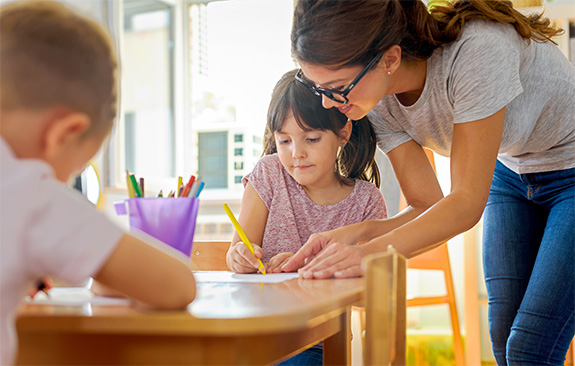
(276, 263)
(241, 260)
(336, 260)
(346, 235)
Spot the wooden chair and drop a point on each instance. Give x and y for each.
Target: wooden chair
(385, 309)
(436, 259)
(570, 359)
(210, 255)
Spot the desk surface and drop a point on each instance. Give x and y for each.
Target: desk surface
(309, 310)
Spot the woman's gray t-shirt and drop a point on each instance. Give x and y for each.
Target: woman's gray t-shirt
(488, 68)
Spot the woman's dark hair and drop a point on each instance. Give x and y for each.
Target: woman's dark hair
(290, 97)
(338, 33)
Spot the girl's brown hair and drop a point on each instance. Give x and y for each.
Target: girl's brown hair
(52, 57)
(339, 33)
(290, 97)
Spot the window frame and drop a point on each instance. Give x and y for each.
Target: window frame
(114, 152)
(185, 142)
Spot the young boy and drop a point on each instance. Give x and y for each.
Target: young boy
(57, 105)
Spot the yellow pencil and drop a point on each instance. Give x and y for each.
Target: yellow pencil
(180, 183)
(243, 236)
(131, 191)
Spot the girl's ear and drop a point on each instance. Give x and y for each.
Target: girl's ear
(62, 131)
(345, 132)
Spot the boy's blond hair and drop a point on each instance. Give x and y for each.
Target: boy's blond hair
(52, 57)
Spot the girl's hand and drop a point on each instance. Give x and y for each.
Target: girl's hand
(336, 260)
(276, 263)
(241, 260)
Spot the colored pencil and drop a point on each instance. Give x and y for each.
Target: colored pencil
(200, 189)
(188, 186)
(180, 183)
(142, 186)
(135, 185)
(131, 192)
(243, 236)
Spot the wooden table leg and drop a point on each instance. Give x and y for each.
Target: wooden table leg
(337, 348)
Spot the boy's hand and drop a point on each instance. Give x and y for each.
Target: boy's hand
(99, 289)
(43, 285)
(241, 260)
(275, 264)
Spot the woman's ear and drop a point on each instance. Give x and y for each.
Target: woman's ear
(345, 132)
(392, 58)
(64, 130)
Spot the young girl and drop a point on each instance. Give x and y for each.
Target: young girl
(318, 173)
(315, 176)
(479, 82)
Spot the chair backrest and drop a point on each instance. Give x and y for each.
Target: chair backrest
(210, 255)
(385, 307)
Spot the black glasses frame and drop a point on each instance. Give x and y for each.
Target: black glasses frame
(331, 93)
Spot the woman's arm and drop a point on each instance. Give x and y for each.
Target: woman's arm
(420, 187)
(474, 150)
(473, 154)
(418, 184)
(253, 218)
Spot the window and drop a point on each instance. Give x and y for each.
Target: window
(213, 158)
(197, 77)
(235, 61)
(147, 85)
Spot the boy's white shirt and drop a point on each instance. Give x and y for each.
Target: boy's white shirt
(46, 229)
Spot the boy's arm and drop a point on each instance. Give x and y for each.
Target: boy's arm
(148, 275)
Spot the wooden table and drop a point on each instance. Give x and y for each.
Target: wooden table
(227, 324)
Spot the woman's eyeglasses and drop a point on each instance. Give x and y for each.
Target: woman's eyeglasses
(335, 95)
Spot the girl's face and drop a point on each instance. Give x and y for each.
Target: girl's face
(308, 156)
(364, 95)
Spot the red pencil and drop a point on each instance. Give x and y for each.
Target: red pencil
(188, 186)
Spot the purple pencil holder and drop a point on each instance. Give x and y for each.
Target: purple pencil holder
(170, 220)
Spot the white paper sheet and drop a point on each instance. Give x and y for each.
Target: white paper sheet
(226, 276)
(74, 296)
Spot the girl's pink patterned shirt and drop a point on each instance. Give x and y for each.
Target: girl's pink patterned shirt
(293, 217)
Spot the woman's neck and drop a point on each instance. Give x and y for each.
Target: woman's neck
(410, 81)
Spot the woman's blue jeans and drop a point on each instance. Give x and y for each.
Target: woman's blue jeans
(529, 265)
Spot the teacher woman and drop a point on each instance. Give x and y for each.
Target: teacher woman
(479, 82)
